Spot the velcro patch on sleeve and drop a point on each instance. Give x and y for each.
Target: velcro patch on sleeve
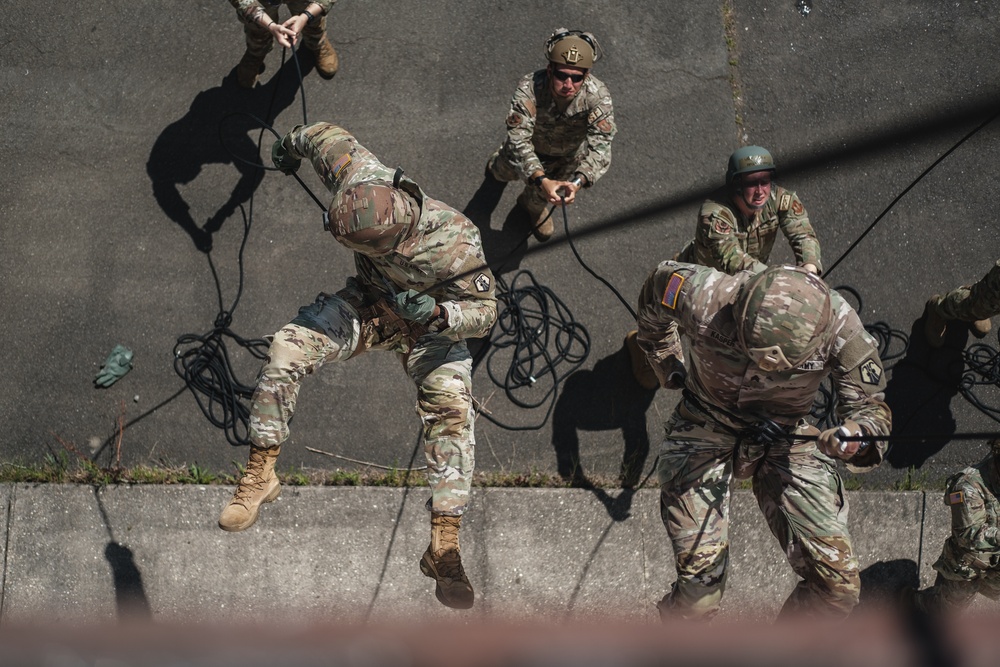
(786, 200)
(673, 291)
(956, 498)
(871, 372)
(721, 226)
(340, 164)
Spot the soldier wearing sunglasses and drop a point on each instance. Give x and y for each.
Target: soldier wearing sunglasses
(559, 129)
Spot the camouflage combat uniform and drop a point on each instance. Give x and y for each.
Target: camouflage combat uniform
(970, 560)
(551, 136)
(439, 244)
(797, 488)
(728, 241)
(259, 39)
(980, 301)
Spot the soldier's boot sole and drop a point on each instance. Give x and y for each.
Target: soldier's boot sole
(934, 325)
(641, 370)
(327, 60)
(980, 328)
(248, 69)
(456, 593)
(236, 517)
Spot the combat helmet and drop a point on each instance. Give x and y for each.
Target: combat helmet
(572, 47)
(747, 160)
(372, 218)
(783, 315)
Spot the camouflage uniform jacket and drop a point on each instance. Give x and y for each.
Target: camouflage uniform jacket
(441, 244)
(720, 374)
(974, 544)
(538, 128)
(728, 241)
(252, 8)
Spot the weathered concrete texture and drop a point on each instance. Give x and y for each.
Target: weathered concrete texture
(5, 492)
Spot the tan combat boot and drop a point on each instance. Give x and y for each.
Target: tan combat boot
(259, 485)
(327, 61)
(934, 324)
(248, 69)
(540, 220)
(641, 370)
(442, 562)
(980, 328)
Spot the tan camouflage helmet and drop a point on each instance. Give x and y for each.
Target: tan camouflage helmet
(372, 218)
(783, 315)
(572, 47)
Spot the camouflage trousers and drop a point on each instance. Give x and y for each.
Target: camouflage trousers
(802, 498)
(501, 165)
(950, 596)
(331, 330)
(259, 39)
(980, 301)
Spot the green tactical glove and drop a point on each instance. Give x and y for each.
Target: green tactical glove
(282, 160)
(118, 363)
(415, 306)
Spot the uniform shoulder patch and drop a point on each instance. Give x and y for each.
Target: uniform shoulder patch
(514, 120)
(797, 207)
(339, 166)
(786, 200)
(604, 125)
(673, 291)
(955, 498)
(721, 225)
(871, 372)
(482, 282)
(595, 115)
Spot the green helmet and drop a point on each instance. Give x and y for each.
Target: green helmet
(372, 218)
(571, 47)
(747, 160)
(783, 315)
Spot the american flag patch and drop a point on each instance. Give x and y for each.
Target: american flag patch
(956, 498)
(673, 291)
(339, 165)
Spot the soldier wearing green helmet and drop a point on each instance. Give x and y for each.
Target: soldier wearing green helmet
(559, 129)
(970, 560)
(422, 288)
(737, 226)
(759, 347)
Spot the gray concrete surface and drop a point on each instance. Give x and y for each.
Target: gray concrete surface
(114, 169)
(77, 554)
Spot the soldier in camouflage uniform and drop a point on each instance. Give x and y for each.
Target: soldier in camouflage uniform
(559, 129)
(970, 560)
(736, 229)
(760, 345)
(974, 304)
(404, 243)
(260, 24)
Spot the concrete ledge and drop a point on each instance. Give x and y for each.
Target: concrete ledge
(321, 554)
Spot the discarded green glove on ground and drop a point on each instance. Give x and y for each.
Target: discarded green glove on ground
(415, 306)
(118, 363)
(282, 160)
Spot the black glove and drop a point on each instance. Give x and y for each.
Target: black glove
(415, 306)
(286, 163)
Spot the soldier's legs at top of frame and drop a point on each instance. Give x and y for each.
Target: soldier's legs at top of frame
(694, 470)
(975, 304)
(326, 330)
(802, 497)
(259, 43)
(442, 371)
(315, 39)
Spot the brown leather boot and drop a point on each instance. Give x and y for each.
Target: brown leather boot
(934, 325)
(442, 562)
(540, 219)
(641, 370)
(327, 61)
(980, 328)
(259, 485)
(248, 69)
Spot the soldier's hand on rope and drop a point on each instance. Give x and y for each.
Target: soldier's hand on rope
(414, 306)
(830, 443)
(284, 161)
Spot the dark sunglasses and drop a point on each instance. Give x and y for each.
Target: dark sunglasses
(566, 76)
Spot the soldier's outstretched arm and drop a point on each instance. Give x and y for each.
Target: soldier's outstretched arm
(601, 129)
(795, 225)
(327, 146)
(521, 128)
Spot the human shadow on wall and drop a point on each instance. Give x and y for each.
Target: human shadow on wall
(919, 393)
(130, 593)
(504, 247)
(195, 140)
(604, 398)
(882, 582)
